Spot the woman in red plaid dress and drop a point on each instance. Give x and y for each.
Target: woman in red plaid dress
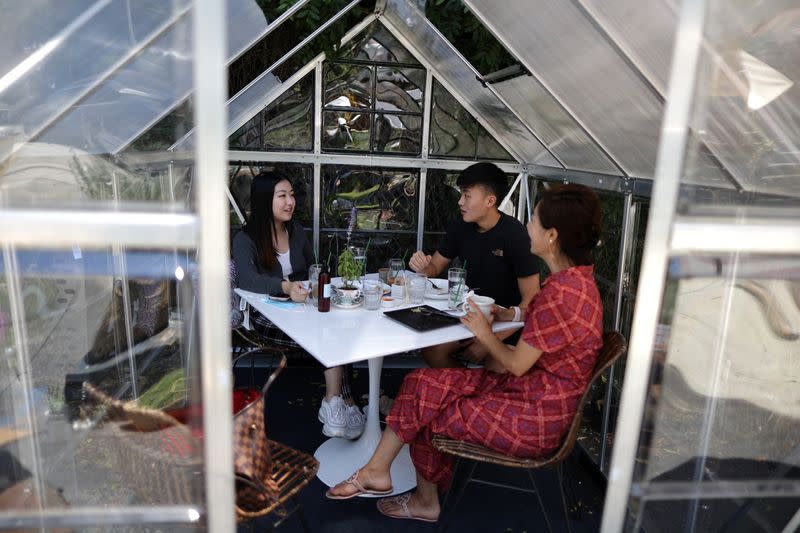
(524, 399)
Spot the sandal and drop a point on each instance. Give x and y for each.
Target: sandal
(402, 501)
(360, 489)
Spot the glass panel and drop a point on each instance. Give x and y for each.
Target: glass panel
(386, 203)
(302, 177)
(348, 85)
(747, 101)
(469, 36)
(400, 89)
(285, 124)
(735, 515)
(459, 76)
(557, 129)
(587, 74)
(377, 44)
(453, 130)
(346, 130)
(44, 175)
(489, 148)
(120, 320)
(286, 36)
(76, 65)
(724, 366)
(397, 133)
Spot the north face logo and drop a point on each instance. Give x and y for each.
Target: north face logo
(498, 252)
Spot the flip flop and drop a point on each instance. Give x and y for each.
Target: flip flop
(360, 489)
(402, 501)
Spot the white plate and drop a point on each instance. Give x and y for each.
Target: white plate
(439, 293)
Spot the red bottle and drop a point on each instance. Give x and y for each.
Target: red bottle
(324, 291)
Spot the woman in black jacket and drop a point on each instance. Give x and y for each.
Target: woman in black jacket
(270, 254)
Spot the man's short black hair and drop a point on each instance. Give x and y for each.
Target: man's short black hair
(485, 174)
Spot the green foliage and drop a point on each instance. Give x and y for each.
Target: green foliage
(468, 35)
(349, 268)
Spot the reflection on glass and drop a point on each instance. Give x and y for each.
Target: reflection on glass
(348, 85)
(453, 130)
(723, 392)
(377, 44)
(285, 124)
(400, 89)
(397, 133)
(747, 108)
(45, 175)
(346, 130)
(86, 320)
(385, 199)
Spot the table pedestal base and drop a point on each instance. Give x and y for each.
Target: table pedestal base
(339, 458)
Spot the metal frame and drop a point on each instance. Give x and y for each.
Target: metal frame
(210, 82)
(669, 166)
(466, 105)
(92, 516)
(623, 271)
(757, 235)
(362, 160)
(497, 35)
(422, 190)
(62, 228)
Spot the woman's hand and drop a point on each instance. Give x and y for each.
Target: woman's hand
(297, 291)
(476, 322)
(502, 314)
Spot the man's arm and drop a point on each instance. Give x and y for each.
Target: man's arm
(431, 266)
(528, 288)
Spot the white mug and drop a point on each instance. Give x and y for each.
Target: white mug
(483, 303)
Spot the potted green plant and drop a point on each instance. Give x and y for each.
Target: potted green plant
(349, 269)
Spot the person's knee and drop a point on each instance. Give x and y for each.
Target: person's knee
(439, 356)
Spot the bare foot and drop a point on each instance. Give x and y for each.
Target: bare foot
(364, 481)
(410, 505)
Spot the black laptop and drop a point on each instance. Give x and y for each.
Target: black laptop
(422, 318)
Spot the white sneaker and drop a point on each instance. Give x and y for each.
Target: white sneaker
(332, 415)
(355, 422)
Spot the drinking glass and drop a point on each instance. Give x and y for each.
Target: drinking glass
(396, 267)
(383, 275)
(456, 282)
(313, 277)
(373, 292)
(416, 288)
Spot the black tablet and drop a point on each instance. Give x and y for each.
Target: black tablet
(422, 318)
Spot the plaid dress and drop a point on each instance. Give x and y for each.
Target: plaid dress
(525, 416)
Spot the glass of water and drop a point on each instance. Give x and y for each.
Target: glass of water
(373, 291)
(360, 257)
(313, 277)
(416, 288)
(456, 282)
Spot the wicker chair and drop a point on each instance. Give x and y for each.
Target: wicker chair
(469, 455)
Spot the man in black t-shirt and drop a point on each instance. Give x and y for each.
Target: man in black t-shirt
(494, 247)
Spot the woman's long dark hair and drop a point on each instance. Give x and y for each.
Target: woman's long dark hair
(261, 222)
(574, 210)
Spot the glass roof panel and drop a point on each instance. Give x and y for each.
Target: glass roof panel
(747, 101)
(58, 71)
(554, 126)
(566, 52)
(147, 86)
(435, 52)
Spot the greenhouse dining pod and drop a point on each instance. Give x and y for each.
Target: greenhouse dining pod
(116, 128)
